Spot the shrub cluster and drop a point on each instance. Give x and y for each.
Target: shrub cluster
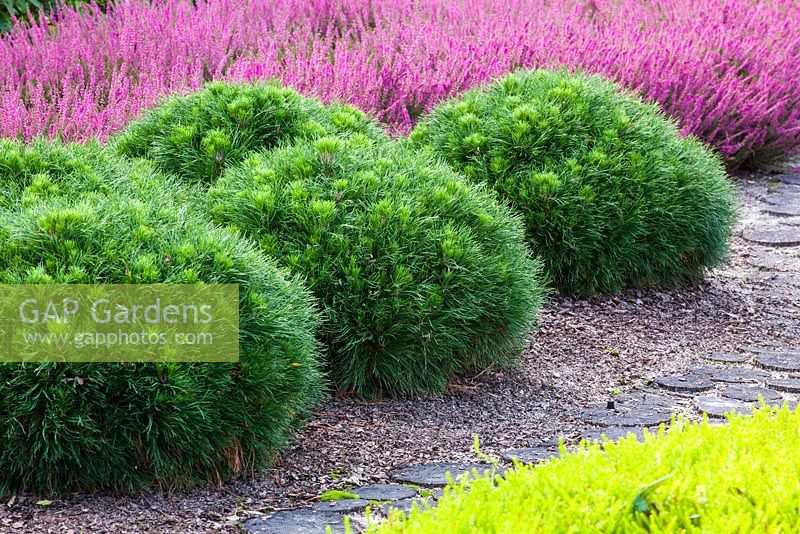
(198, 135)
(421, 275)
(695, 478)
(612, 195)
(118, 426)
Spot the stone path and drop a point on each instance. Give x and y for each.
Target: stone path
(730, 381)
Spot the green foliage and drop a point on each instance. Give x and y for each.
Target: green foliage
(198, 135)
(66, 427)
(612, 195)
(336, 495)
(421, 275)
(741, 477)
(21, 8)
(44, 170)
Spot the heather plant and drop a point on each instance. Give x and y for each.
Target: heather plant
(726, 70)
(124, 426)
(421, 276)
(613, 197)
(197, 136)
(697, 477)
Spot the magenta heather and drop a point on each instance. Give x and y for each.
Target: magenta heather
(727, 70)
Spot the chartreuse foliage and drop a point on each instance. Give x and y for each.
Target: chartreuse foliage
(421, 275)
(67, 427)
(198, 135)
(612, 195)
(741, 477)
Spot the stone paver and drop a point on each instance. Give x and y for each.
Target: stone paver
(781, 236)
(435, 474)
(385, 492)
(782, 199)
(792, 178)
(530, 455)
(789, 385)
(779, 361)
(720, 406)
(786, 210)
(684, 384)
(342, 505)
(751, 394)
(614, 433)
(631, 410)
(405, 506)
(773, 260)
(296, 522)
(790, 189)
(727, 357)
(729, 374)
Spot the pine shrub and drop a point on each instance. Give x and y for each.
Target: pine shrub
(421, 275)
(198, 135)
(124, 426)
(613, 197)
(44, 170)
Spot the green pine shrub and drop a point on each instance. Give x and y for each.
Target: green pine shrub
(123, 426)
(613, 197)
(740, 477)
(198, 135)
(42, 170)
(421, 275)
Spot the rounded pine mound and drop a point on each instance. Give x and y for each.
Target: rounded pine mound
(123, 426)
(43, 170)
(422, 276)
(613, 197)
(198, 135)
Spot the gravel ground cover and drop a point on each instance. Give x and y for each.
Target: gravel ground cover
(586, 352)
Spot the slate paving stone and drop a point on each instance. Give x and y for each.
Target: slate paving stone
(786, 210)
(406, 505)
(792, 178)
(729, 374)
(530, 455)
(785, 236)
(720, 406)
(727, 357)
(296, 522)
(614, 433)
(752, 349)
(385, 492)
(684, 384)
(782, 199)
(751, 394)
(630, 410)
(779, 361)
(789, 385)
(791, 189)
(434, 474)
(772, 260)
(342, 505)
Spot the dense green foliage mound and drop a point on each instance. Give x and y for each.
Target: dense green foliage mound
(741, 477)
(421, 275)
(68, 426)
(44, 170)
(612, 196)
(197, 136)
